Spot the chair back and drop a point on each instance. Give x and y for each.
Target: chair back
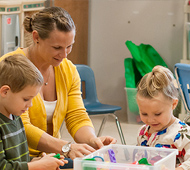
(182, 73)
(87, 80)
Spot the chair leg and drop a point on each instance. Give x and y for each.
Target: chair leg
(102, 125)
(119, 129)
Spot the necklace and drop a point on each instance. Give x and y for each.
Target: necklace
(46, 83)
(29, 57)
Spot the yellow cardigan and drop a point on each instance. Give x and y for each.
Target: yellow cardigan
(69, 106)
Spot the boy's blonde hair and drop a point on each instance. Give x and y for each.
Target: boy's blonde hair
(17, 71)
(160, 80)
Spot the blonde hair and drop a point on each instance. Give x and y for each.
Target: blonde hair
(47, 20)
(17, 72)
(160, 80)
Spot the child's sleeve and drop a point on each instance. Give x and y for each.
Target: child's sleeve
(140, 133)
(11, 163)
(182, 143)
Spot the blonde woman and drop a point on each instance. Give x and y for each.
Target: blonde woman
(59, 100)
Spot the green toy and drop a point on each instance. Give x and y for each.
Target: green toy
(143, 161)
(58, 156)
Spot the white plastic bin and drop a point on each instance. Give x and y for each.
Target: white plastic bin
(126, 155)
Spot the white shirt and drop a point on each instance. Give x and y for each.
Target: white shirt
(50, 107)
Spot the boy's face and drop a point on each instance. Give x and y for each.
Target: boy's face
(18, 103)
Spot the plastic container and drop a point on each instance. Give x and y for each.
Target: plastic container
(132, 107)
(125, 156)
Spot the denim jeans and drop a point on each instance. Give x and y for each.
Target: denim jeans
(69, 165)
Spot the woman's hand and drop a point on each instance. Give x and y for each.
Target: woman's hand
(99, 142)
(80, 150)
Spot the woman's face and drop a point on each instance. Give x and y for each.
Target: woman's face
(55, 48)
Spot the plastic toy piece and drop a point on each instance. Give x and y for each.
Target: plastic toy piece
(99, 158)
(143, 161)
(90, 159)
(155, 159)
(112, 155)
(136, 163)
(58, 156)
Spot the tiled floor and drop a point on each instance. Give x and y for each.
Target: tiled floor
(110, 129)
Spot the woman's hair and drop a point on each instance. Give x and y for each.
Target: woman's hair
(160, 80)
(17, 71)
(49, 19)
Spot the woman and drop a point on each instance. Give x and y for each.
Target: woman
(53, 32)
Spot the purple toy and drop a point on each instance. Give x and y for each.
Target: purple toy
(112, 155)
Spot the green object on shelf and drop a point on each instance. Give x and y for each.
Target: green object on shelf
(143, 161)
(58, 156)
(129, 73)
(145, 57)
(132, 75)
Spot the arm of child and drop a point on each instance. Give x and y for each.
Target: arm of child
(182, 143)
(10, 160)
(185, 152)
(47, 162)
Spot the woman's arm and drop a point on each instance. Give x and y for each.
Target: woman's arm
(86, 134)
(47, 143)
(50, 144)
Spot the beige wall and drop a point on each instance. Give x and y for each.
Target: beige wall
(113, 22)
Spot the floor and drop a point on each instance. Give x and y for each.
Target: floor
(110, 129)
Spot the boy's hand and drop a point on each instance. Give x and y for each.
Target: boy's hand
(47, 162)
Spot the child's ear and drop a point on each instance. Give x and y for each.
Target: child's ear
(4, 89)
(174, 104)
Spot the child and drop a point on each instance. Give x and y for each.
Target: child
(20, 81)
(157, 97)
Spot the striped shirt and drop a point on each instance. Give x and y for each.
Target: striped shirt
(14, 153)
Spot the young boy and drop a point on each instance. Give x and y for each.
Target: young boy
(20, 81)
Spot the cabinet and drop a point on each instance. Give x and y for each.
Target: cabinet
(10, 26)
(12, 13)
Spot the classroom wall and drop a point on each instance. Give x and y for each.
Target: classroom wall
(113, 22)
